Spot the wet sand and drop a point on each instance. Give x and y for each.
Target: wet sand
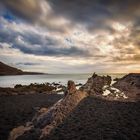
(16, 110)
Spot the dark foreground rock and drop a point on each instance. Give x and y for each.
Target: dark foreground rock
(96, 111)
(42, 124)
(130, 85)
(16, 110)
(98, 119)
(46, 88)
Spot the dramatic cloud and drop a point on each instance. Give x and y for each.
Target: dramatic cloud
(93, 14)
(83, 35)
(37, 43)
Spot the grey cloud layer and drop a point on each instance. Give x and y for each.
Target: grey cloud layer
(94, 14)
(28, 9)
(32, 43)
(96, 19)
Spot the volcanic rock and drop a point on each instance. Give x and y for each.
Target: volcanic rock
(46, 120)
(71, 88)
(95, 84)
(130, 85)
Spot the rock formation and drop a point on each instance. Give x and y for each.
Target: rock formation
(126, 88)
(94, 85)
(46, 120)
(130, 85)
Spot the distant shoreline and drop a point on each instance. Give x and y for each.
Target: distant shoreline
(6, 70)
(12, 80)
(24, 73)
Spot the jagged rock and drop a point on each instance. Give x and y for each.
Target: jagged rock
(130, 85)
(16, 132)
(95, 84)
(46, 120)
(80, 84)
(71, 88)
(116, 79)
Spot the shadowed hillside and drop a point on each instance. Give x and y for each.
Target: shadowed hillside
(8, 70)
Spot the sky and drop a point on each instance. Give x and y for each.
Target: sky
(71, 36)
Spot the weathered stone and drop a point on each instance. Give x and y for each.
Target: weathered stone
(130, 85)
(95, 84)
(16, 132)
(46, 120)
(71, 88)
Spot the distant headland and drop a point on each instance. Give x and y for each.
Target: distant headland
(8, 70)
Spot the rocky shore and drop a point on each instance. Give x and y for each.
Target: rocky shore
(34, 88)
(130, 85)
(98, 109)
(47, 88)
(126, 88)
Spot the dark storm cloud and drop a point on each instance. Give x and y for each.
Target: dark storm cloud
(46, 50)
(37, 44)
(93, 14)
(88, 10)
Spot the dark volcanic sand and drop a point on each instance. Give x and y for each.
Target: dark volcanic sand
(97, 119)
(16, 110)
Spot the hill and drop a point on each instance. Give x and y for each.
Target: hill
(8, 70)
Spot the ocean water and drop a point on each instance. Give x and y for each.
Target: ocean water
(11, 81)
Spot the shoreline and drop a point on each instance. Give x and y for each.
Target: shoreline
(34, 88)
(11, 81)
(18, 105)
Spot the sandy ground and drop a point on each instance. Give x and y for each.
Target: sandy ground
(16, 110)
(98, 119)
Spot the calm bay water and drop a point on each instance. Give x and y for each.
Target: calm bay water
(11, 81)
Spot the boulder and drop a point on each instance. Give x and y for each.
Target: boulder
(130, 85)
(71, 88)
(95, 84)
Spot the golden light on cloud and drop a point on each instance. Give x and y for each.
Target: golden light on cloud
(65, 32)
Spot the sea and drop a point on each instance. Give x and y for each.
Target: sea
(11, 81)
